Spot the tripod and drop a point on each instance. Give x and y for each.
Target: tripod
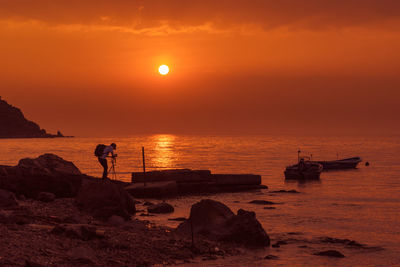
(112, 168)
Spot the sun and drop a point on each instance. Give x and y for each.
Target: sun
(163, 69)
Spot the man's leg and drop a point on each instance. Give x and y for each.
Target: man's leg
(103, 163)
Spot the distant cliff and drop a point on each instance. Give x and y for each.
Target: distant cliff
(13, 124)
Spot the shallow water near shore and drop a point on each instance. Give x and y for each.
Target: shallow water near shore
(361, 205)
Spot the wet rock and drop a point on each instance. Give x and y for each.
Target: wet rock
(46, 197)
(269, 208)
(161, 208)
(147, 203)
(346, 242)
(216, 221)
(104, 199)
(330, 253)
(7, 199)
(271, 257)
(279, 243)
(262, 202)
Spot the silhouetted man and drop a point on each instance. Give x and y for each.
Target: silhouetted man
(103, 159)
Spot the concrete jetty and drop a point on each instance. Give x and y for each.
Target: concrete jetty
(170, 183)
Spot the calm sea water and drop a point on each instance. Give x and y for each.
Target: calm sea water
(361, 205)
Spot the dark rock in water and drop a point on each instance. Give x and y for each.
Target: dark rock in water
(269, 208)
(262, 202)
(47, 173)
(7, 199)
(279, 243)
(46, 197)
(17, 126)
(295, 233)
(161, 208)
(244, 228)
(216, 221)
(148, 203)
(271, 257)
(347, 242)
(288, 191)
(330, 253)
(104, 199)
(179, 219)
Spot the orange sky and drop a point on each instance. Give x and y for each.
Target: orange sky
(90, 68)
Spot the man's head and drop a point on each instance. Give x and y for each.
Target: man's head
(114, 146)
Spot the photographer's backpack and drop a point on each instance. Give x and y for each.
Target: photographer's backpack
(98, 152)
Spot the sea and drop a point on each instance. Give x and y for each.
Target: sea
(360, 205)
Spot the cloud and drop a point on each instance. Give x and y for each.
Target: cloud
(222, 14)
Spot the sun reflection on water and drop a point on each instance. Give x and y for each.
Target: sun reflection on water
(164, 154)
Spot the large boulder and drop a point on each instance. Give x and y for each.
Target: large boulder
(49, 164)
(245, 228)
(216, 221)
(47, 173)
(103, 199)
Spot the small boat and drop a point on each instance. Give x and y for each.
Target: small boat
(350, 163)
(304, 170)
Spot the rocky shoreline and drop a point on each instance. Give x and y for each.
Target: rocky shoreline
(52, 214)
(36, 233)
